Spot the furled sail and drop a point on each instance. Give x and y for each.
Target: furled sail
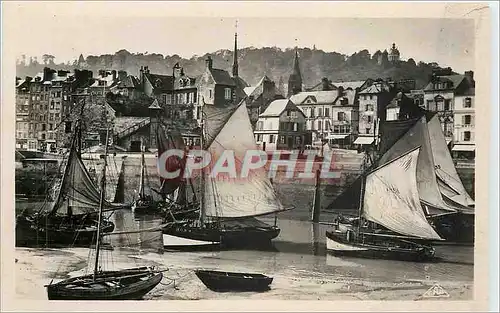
(238, 196)
(391, 198)
(166, 142)
(449, 182)
(77, 190)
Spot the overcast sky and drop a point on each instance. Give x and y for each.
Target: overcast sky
(450, 42)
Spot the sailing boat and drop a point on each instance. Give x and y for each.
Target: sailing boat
(127, 284)
(228, 206)
(72, 218)
(145, 203)
(174, 190)
(442, 195)
(395, 223)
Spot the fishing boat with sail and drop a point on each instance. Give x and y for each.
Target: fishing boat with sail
(228, 206)
(126, 284)
(391, 223)
(72, 218)
(443, 198)
(144, 203)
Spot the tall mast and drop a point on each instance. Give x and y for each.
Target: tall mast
(202, 143)
(362, 193)
(141, 188)
(103, 192)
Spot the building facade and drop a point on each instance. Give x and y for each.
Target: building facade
(446, 91)
(281, 127)
(373, 101)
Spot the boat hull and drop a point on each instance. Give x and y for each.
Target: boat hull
(192, 237)
(228, 281)
(32, 233)
(113, 285)
(456, 228)
(338, 244)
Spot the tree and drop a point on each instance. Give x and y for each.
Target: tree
(411, 62)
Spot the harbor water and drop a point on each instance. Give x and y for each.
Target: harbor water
(299, 263)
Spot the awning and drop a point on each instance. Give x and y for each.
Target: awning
(337, 136)
(363, 141)
(460, 147)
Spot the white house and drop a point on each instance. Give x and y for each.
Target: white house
(281, 126)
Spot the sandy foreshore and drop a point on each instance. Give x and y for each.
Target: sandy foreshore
(36, 267)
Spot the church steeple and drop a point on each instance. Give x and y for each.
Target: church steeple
(235, 55)
(235, 61)
(295, 79)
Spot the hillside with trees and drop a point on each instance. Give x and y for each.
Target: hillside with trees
(274, 62)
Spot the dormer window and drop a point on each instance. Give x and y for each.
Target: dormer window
(157, 83)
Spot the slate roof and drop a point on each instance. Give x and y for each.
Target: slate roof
(275, 108)
(352, 84)
(375, 88)
(456, 80)
(129, 82)
(320, 97)
(160, 83)
(222, 77)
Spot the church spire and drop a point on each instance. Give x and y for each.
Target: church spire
(235, 55)
(295, 79)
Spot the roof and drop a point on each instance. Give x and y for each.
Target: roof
(160, 83)
(222, 77)
(124, 122)
(456, 80)
(129, 82)
(249, 90)
(353, 84)
(317, 97)
(154, 105)
(350, 95)
(240, 82)
(375, 88)
(276, 107)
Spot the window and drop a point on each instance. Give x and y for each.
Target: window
(430, 105)
(467, 102)
(295, 127)
(227, 93)
(367, 130)
(260, 125)
(57, 115)
(312, 112)
(51, 117)
(44, 127)
(51, 126)
(320, 125)
(259, 137)
(43, 136)
(327, 125)
(282, 139)
(371, 97)
(467, 136)
(341, 116)
(52, 105)
(369, 118)
(168, 99)
(210, 93)
(294, 114)
(447, 104)
(467, 119)
(271, 138)
(320, 111)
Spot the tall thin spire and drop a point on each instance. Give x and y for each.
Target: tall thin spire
(295, 79)
(235, 61)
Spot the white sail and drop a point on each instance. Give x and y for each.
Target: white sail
(241, 196)
(448, 180)
(391, 198)
(418, 136)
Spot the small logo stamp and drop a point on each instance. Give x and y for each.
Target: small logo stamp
(436, 291)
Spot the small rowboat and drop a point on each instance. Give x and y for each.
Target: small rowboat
(230, 281)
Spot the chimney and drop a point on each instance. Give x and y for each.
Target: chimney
(146, 69)
(469, 75)
(209, 62)
(325, 84)
(47, 74)
(113, 72)
(340, 91)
